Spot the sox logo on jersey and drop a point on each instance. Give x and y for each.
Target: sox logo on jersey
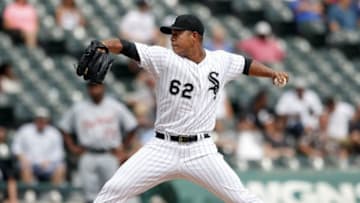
(212, 78)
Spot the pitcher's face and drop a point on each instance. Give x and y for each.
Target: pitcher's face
(182, 41)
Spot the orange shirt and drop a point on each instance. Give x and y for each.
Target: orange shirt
(22, 17)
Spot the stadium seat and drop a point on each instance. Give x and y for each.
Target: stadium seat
(249, 11)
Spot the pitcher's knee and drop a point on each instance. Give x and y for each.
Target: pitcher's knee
(247, 197)
(112, 192)
(241, 196)
(246, 200)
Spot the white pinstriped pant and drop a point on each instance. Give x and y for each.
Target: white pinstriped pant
(161, 160)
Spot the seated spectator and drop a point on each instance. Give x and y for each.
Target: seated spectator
(259, 109)
(314, 144)
(308, 16)
(355, 121)
(8, 81)
(7, 169)
(68, 15)
(20, 17)
(301, 107)
(328, 3)
(139, 25)
(340, 114)
(357, 7)
(354, 145)
(250, 145)
(218, 40)
(263, 46)
(342, 16)
(277, 145)
(39, 149)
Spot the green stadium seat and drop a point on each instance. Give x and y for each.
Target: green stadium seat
(277, 11)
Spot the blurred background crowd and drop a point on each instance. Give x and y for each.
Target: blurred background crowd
(312, 123)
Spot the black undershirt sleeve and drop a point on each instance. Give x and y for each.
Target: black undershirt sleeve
(129, 50)
(248, 62)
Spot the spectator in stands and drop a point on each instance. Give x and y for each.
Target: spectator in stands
(263, 46)
(8, 81)
(259, 109)
(300, 107)
(139, 25)
(39, 149)
(308, 16)
(277, 145)
(357, 7)
(354, 147)
(7, 168)
(314, 144)
(343, 16)
(68, 16)
(340, 114)
(218, 40)
(355, 121)
(328, 3)
(21, 17)
(250, 145)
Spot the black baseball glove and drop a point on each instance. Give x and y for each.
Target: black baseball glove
(94, 62)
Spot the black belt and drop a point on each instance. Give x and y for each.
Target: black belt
(181, 138)
(97, 151)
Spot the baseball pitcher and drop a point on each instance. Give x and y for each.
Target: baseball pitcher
(189, 79)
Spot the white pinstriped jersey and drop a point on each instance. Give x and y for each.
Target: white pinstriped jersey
(187, 92)
(98, 126)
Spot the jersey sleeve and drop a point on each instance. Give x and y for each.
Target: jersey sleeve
(235, 64)
(152, 58)
(67, 122)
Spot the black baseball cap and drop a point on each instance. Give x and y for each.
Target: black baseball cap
(185, 22)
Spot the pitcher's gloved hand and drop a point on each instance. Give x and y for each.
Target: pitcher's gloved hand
(94, 62)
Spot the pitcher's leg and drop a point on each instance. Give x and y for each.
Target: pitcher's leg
(213, 173)
(148, 167)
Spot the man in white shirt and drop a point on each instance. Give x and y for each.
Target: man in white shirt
(139, 24)
(39, 148)
(301, 107)
(340, 115)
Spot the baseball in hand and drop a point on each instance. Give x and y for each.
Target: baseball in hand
(279, 82)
